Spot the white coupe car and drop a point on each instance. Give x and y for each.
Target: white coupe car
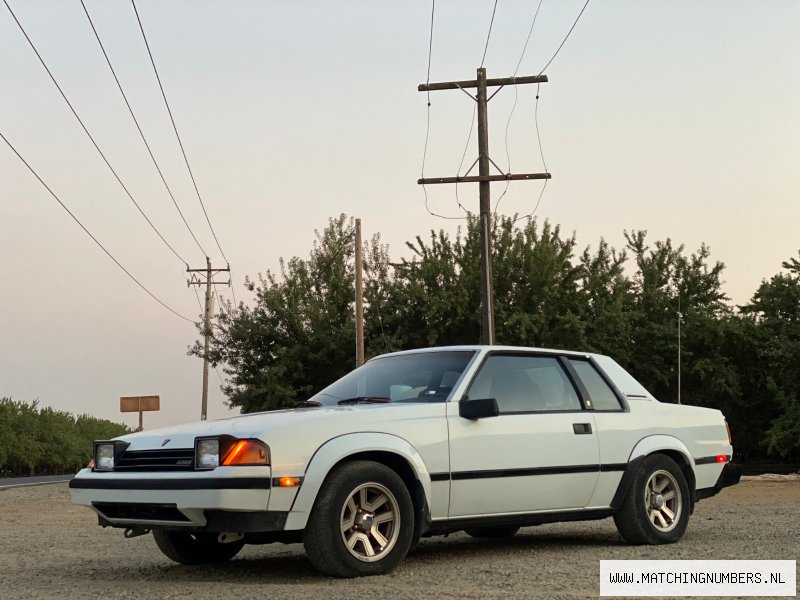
(484, 439)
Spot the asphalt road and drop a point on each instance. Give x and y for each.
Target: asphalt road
(52, 549)
(9, 482)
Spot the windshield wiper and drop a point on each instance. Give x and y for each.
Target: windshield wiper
(307, 404)
(365, 400)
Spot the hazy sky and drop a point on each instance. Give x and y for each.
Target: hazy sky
(676, 117)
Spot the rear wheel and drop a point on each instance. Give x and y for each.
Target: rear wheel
(195, 548)
(362, 522)
(493, 533)
(656, 509)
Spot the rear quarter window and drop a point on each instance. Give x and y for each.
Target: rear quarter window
(603, 397)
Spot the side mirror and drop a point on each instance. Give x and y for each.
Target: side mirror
(478, 409)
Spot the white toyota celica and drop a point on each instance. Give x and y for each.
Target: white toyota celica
(484, 439)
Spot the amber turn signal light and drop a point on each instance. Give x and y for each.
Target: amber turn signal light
(287, 481)
(247, 452)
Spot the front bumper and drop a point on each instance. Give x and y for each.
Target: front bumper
(197, 500)
(730, 475)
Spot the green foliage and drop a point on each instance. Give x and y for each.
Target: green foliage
(41, 441)
(298, 337)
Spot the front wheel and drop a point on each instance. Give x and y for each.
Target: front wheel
(362, 522)
(195, 548)
(656, 509)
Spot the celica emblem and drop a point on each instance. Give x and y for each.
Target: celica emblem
(165, 442)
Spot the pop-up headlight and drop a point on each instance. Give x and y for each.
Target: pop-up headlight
(207, 453)
(228, 451)
(104, 456)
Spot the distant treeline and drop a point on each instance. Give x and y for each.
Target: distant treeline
(45, 441)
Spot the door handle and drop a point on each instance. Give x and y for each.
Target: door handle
(582, 428)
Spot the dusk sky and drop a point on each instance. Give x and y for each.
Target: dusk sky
(679, 117)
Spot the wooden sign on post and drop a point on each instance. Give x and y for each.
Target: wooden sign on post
(139, 404)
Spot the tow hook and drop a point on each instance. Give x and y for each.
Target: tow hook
(132, 532)
(228, 537)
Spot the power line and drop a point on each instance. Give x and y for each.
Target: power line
(94, 239)
(175, 128)
(474, 111)
(566, 37)
(489, 35)
(428, 119)
(199, 303)
(536, 109)
(428, 115)
(516, 99)
(89, 135)
(464, 155)
(528, 39)
(541, 154)
(138, 127)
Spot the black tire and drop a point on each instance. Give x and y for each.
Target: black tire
(195, 548)
(493, 533)
(634, 521)
(325, 532)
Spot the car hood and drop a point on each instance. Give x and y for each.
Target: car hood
(266, 424)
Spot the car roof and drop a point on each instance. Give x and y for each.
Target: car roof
(480, 347)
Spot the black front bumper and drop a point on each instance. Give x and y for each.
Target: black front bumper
(731, 474)
(167, 516)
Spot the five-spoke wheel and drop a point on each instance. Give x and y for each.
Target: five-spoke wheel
(662, 497)
(370, 522)
(362, 522)
(656, 508)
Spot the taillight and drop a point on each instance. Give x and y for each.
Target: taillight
(728, 428)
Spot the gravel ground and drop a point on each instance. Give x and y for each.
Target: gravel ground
(52, 549)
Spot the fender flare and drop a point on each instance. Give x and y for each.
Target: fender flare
(644, 447)
(339, 448)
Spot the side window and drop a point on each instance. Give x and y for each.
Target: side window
(603, 397)
(525, 384)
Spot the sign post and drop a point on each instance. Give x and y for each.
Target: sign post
(139, 404)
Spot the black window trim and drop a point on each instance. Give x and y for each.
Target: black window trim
(557, 355)
(624, 407)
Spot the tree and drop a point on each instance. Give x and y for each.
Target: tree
(298, 336)
(775, 309)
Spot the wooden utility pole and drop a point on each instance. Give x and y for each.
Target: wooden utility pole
(359, 298)
(484, 179)
(209, 309)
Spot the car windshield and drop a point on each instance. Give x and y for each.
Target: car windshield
(421, 377)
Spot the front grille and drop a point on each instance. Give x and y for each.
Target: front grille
(140, 511)
(175, 459)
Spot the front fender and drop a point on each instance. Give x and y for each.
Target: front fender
(339, 448)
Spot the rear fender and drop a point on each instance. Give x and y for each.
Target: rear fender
(654, 443)
(650, 445)
(340, 448)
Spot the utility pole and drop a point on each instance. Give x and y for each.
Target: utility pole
(209, 309)
(359, 298)
(484, 179)
(680, 318)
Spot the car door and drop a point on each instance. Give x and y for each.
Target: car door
(539, 453)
